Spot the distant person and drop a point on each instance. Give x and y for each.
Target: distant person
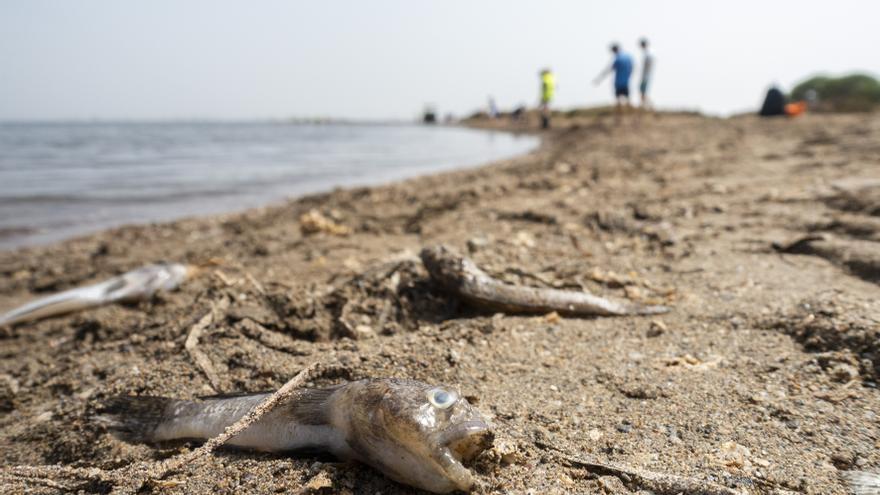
(548, 91)
(493, 109)
(812, 98)
(430, 115)
(774, 103)
(622, 66)
(647, 71)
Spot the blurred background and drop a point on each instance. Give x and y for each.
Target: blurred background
(119, 111)
(219, 59)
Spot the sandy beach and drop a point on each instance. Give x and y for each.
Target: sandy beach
(761, 235)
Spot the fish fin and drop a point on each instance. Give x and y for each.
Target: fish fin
(310, 406)
(862, 482)
(234, 395)
(134, 418)
(307, 406)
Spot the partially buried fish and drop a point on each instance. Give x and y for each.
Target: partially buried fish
(414, 433)
(136, 285)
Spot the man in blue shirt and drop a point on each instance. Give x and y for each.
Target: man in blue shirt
(622, 66)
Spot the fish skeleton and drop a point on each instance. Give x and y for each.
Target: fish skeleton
(136, 285)
(413, 432)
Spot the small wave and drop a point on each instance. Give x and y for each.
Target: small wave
(67, 199)
(7, 232)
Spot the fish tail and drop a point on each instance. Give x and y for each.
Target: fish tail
(158, 419)
(136, 419)
(862, 482)
(638, 309)
(54, 305)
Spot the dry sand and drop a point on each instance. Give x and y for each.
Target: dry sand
(763, 378)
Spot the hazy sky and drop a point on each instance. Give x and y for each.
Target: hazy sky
(156, 59)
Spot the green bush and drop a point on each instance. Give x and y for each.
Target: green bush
(853, 93)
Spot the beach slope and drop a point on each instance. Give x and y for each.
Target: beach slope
(761, 235)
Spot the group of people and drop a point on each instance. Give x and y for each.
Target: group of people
(622, 67)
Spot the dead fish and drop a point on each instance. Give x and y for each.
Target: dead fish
(463, 278)
(413, 432)
(136, 285)
(862, 482)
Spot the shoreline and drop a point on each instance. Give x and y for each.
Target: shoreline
(301, 174)
(764, 376)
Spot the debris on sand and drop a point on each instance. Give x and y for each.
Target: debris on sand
(660, 483)
(314, 222)
(857, 226)
(192, 343)
(461, 277)
(506, 452)
(736, 456)
(690, 362)
(830, 323)
(384, 298)
(857, 194)
(656, 329)
(860, 257)
(318, 482)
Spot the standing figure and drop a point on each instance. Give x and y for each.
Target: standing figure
(647, 71)
(622, 67)
(493, 108)
(548, 90)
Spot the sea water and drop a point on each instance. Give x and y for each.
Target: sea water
(63, 179)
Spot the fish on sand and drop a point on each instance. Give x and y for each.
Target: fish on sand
(414, 433)
(137, 285)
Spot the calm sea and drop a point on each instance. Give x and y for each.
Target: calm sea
(60, 180)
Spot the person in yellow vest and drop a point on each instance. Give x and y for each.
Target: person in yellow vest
(548, 90)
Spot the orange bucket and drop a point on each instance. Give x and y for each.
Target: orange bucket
(796, 108)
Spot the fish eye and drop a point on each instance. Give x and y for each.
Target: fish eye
(442, 398)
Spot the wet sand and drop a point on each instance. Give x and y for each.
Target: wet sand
(763, 378)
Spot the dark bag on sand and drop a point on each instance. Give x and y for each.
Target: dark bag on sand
(774, 103)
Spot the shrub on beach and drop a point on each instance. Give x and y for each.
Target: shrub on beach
(852, 93)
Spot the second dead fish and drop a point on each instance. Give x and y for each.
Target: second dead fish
(136, 285)
(463, 278)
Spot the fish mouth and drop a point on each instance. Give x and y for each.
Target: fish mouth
(462, 443)
(467, 439)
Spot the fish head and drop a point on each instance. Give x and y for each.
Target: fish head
(169, 276)
(416, 433)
